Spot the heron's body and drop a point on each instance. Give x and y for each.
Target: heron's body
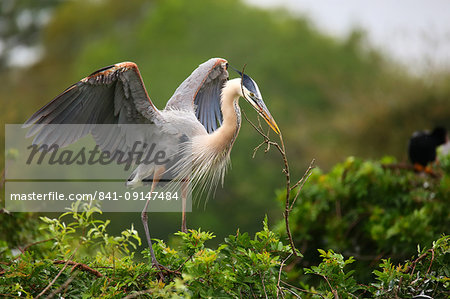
(205, 156)
(203, 113)
(211, 152)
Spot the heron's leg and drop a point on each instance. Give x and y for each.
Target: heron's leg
(144, 215)
(184, 194)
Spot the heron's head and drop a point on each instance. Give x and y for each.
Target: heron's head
(251, 93)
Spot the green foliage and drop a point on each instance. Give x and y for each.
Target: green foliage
(429, 273)
(370, 210)
(332, 94)
(444, 162)
(240, 267)
(16, 229)
(332, 270)
(327, 95)
(84, 261)
(89, 232)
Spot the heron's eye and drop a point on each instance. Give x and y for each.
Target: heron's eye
(252, 94)
(226, 66)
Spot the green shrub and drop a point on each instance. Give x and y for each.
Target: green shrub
(384, 230)
(370, 210)
(105, 266)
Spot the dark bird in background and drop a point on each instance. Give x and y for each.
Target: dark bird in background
(423, 145)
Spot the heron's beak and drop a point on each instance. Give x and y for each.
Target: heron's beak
(261, 108)
(270, 121)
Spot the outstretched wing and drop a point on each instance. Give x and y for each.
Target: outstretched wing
(200, 93)
(112, 95)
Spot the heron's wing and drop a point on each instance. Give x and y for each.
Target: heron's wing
(200, 93)
(111, 95)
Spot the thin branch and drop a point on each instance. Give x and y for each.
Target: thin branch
(279, 275)
(292, 292)
(257, 148)
(257, 128)
(336, 296)
(29, 245)
(184, 262)
(302, 182)
(281, 148)
(422, 256)
(304, 178)
(80, 266)
(302, 290)
(263, 284)
(57, 275)
(431, 262)
(137, 294)
(63, 286)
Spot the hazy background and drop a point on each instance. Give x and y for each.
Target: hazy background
(341, 80)
(414, 32)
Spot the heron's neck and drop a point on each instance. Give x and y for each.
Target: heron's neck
(225, 136)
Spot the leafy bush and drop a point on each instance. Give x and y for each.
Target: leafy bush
(428, 274)
(370, 210)
(240, 267)
(377, 214)
(82, 260)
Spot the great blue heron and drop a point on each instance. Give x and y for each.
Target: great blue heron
(204, 109)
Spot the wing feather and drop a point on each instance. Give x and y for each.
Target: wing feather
(112, 95)
(200, 93)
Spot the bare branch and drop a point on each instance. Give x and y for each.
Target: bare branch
(282, 150)
(302, 182)
(63, 286)
(292, 292)
(80, 266)
(29, 245)
(257, 128)
(335, 293)
(263, 284)
(138, 294)
(279, 275)
(57, 275)
(185, 261)
(301, 290)
(422, 256)
(257, 148)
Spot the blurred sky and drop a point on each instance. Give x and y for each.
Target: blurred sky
(415, 31)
